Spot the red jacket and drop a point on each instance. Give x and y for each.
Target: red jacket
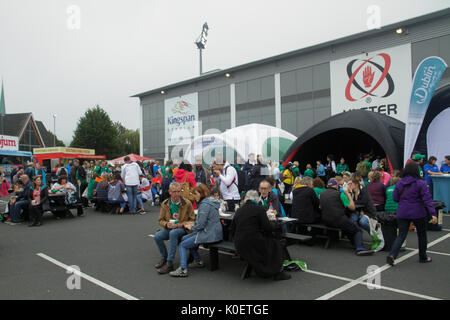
(4, 188)
(180, 176)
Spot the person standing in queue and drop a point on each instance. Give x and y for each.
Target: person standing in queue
(415, 205)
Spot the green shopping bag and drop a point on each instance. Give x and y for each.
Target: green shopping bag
(376, 234)
(294, 265)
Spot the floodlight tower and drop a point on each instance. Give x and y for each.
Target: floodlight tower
(201, 42)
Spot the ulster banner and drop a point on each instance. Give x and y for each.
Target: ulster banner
(376, 81)
(426, 79)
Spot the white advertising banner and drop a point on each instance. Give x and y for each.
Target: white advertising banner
(9, 143)
(181, 118)
(377, 81)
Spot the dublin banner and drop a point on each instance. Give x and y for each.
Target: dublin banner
(427, 76)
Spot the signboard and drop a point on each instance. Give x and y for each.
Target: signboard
(377, 81)
(181, 119)
(64, 150)
(9, 143)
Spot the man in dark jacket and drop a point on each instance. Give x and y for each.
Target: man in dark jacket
(21, 201)
(305, 203)
(200, 173)
(334, 205)
(268, 197)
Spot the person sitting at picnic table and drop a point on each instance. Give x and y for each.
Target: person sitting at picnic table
(363, 202)
(207, 229)
(253, 233)
(21, 203)
(38, 198)
(116, 189)
(305, 203)
(4, 186)
(176, 214)
(64, 186)
(268, 197)
(318, 186)
(334, 204)
(377, 190)
(101, 191)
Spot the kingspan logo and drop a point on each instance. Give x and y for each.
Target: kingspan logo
(184, 109)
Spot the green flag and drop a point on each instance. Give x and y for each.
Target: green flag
(2, 102)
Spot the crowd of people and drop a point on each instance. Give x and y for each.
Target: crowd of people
(191, 197)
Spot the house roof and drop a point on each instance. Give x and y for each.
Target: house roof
(47, 137)
(15, 123)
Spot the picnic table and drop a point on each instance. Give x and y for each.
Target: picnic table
(229, 245)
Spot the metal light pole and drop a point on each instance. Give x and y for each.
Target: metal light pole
(201, 42)
(54, 130)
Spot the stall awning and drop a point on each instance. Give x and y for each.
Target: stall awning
(58, 155)
(16, 153)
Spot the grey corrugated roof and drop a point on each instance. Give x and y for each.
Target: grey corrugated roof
(15, 123)
(354, 37)
(45, 134)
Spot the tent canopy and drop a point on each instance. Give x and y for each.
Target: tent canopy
(438, 104)
(133, 157)
(350, 135)
(254, 138)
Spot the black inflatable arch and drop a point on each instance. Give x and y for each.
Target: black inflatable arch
(349, 135)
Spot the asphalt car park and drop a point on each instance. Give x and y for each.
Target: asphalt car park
(115, 255)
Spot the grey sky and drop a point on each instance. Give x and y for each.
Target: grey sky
(127, 47)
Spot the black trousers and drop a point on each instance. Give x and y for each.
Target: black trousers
(36, 213)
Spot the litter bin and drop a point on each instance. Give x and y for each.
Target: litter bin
(388, 221)
(439, 207)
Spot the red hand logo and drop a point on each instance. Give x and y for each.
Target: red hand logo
(368, 76)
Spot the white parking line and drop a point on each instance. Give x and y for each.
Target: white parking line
(90, 279)
(409, 293)
(383, 268)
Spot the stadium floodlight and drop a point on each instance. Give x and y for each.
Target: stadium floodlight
(201, 42)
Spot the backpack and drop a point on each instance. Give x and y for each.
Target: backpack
(186, 191)
(241, 184)
(362, 168)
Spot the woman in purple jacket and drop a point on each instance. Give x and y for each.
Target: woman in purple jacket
(414, 199)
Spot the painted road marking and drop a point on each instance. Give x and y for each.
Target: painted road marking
(90, 279)
(380, 270)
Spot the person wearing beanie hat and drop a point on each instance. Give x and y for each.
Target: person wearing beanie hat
(334, 204)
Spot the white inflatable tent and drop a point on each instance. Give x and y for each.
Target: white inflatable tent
(254, 138)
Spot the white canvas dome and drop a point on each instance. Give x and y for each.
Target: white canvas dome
(254, 138)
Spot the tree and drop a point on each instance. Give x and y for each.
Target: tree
(59, 143)
(95, 130)
(128, 140)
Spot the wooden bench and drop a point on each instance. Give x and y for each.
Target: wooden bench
(327, 232)
(227, 246)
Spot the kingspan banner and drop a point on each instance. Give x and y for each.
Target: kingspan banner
(181, 118)
(427, 77)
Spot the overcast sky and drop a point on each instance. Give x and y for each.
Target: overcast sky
(127, 47)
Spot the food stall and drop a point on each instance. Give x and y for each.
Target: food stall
(58, 156)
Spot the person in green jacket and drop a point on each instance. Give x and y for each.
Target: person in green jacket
(296, 169)
(342, 166)
(319, 186)
(309, 172)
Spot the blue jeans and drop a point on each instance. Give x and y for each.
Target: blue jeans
(16, 209)
(363, 222)
(139, 201)
(122, 202)
(188, 242)
(132, 197)
(174, 236)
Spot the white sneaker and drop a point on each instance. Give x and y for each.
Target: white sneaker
(153, 203)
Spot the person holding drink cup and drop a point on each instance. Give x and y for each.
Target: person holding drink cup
(175, 216)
